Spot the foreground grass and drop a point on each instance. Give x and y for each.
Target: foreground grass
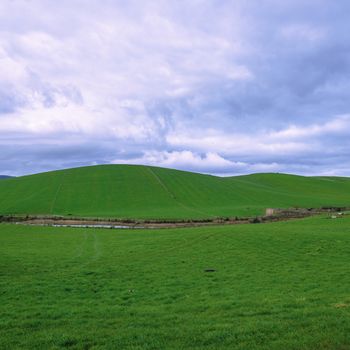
(276, 286)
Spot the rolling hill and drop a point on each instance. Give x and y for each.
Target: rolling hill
(143, 192)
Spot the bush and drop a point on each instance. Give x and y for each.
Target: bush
(256, 221)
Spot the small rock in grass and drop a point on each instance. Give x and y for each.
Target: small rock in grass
(209, 270)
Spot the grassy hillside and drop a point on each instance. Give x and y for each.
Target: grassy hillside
(4, 177)
(275, 286)
(126, 191)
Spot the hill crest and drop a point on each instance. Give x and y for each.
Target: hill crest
(135, 191)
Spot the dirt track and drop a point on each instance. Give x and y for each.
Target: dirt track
(282, 215)
(121, 224)
(135, 225)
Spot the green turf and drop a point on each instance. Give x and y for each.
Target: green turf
(276, 286)
(141, 192)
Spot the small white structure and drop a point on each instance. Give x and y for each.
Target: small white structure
(270, 212)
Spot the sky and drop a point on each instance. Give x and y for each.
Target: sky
(211, 86)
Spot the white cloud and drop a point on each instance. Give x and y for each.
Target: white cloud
(118, 64)
(293, 140)
(210, 162)
(237, 144)
(182, 160)
(10, 69)
(338, 125)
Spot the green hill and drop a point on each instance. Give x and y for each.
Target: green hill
(130, 191)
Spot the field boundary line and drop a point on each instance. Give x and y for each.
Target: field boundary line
(162, 183)
(173, 196)
(56, 194)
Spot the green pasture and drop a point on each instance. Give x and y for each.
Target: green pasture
(142, 192)
(270, 286)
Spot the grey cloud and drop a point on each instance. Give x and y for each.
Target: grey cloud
(9, 101)
(116, 81)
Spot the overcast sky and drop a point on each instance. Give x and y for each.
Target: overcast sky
(221, 87)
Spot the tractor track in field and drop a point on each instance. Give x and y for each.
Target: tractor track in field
(89, 251)
(56, 194)
(172, 195)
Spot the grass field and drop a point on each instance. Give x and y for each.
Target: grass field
(275, 286)
(140, 192)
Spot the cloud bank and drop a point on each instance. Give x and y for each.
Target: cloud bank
(219, 87)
